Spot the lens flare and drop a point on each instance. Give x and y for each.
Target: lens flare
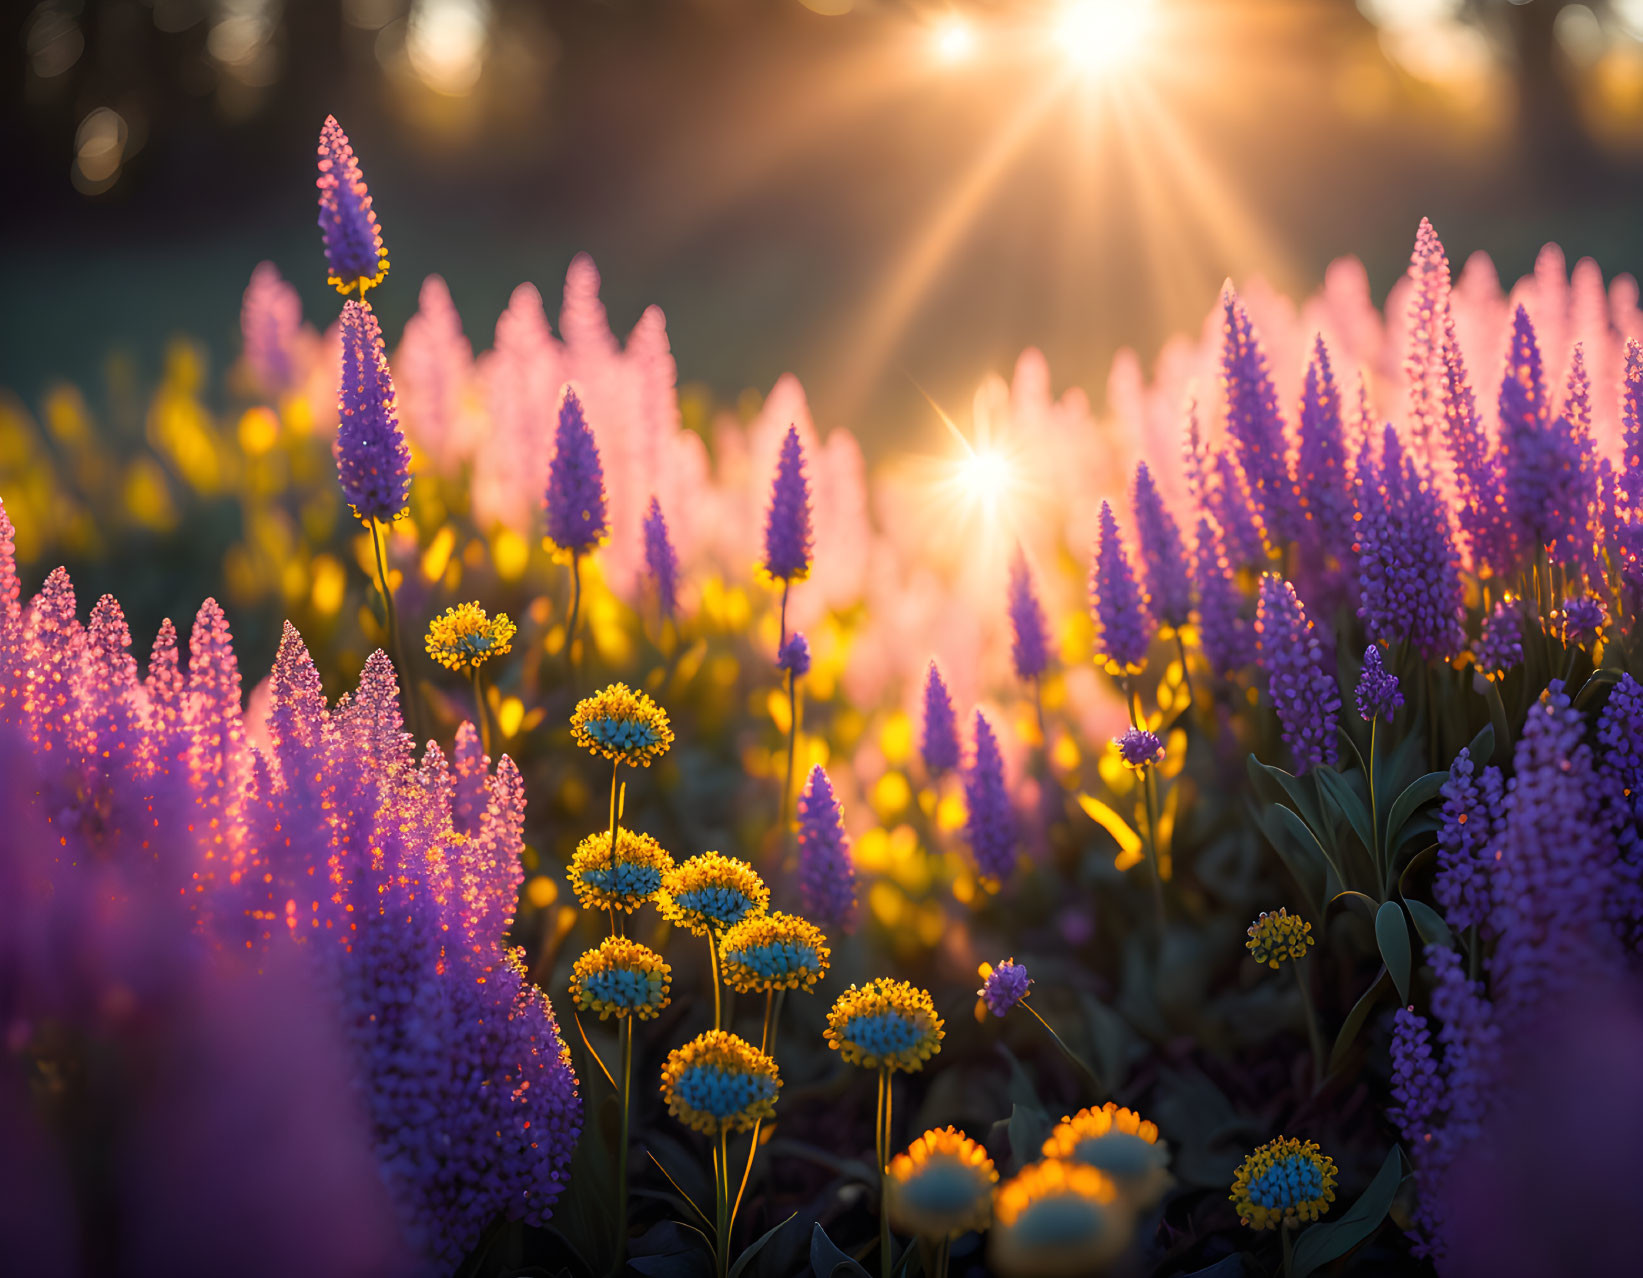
(953, 40)
(1098, 35)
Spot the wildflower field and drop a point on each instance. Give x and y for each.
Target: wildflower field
(588, 830)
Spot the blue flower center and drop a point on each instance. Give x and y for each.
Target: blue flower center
(1119, 1154)
(722, 1093)
(621, 734)
(1064, 1220)
(623, 987)
(943, 1186)
(723, 905)
(1289, 1182)
(883, 1033)
(774, 960)
(625, 878)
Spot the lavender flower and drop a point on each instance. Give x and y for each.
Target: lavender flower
(1256, 424)
(939, 743)
(1408, 570)
(1416, 1088)
(1570, 518)
(1500, 646)
(577, 522)
(1139, 748)
(1123, 627)
(1479, 481)
(661, 564)
(1030, 645)
(990, 822)
(1005, 986)
(1429, 319)
(1323, 487)
(1163, 558)
(271, 328)
(1469, 828)
(795, 656)
(1222, 630)
(787, 547)
(1620, 784)
(1550, 471)
(353, 241)
(373, 459)
(1631, 420)
(1378, 693)
(1299, 678)
(1582, 620)
(827, 876)
(1556, 868)
(1228, 501)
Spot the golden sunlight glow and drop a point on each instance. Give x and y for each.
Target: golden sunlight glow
(984, 478)
(1097, 35)
(953, 40)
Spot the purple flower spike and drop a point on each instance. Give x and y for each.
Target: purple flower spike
(1409, 571)
(1631, 418)
(1222, 629)
(1163, 557)
(1620, 771)
(1005, 986)
(795, 656)
(939, 744)
(1378, 691)
(1030, 645)
(1322, 483)
(1469, 828)
(1228, 501)
(990, 822)
(576, 484)
(1299, 678)
(1123, 628)
(827, 875)
(1584, 617)
(661, 564)
(271, 326)
(1500, 647)
(787, 547)
(1540, 454)
(1479, 481)
(1139, 748)
(353, 241)
(373, 459)
(1255, 422)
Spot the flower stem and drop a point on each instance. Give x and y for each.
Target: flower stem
(479, 709)
(392, 616)
(1374, 816)
(767, 1044)
(1186, 670)
(1151, 806)
(792, 750)
(713, 959)
(615, 767)
(622, 1146)
(1060, 1042)
(941, 1257)
(575, 611)
(883, 1142)
(721, 1179)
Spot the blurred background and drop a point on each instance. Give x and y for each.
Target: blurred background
(879, 197)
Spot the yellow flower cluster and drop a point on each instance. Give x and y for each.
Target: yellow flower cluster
(622, 725)
(719, 1083)
(1285, 1179)
(885, 1024)
(465, 637)
(941, 1186)
(712, 892)
(625, 883)
(1119, 1143)
(1279, 936)
(620, 978)
(774, 952)
(1058, 1218)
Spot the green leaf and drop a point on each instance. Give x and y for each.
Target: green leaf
(1303, 834)
(1028, 1129)
(827, 1261)
(1304, 861)
(1358, 901)
(1429, 923)
(1299, 794)
(1392, 933)
(1416, 867)
(1338, 792)
(1327, 1241)
(1482, 747)
(1600, 678)
(1419, 792)
(746, 1257)
(1355, 1019)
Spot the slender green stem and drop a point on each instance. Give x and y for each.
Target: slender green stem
(479, 709)
(721, 1185)
(1374, 817)
(1289, 1246)
(941, 1257)
(575, 610)
(767, 1044)
(1314, 1038)
(792, 750)
(1060, 1042)
(615, 768)
(407, 688)
(883, 1140)
(622, 1147)
(713, 961)
(1151, 805)
(787, 585)
(1038, 707)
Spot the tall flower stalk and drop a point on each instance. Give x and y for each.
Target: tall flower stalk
(787, 558)
(577, 522)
